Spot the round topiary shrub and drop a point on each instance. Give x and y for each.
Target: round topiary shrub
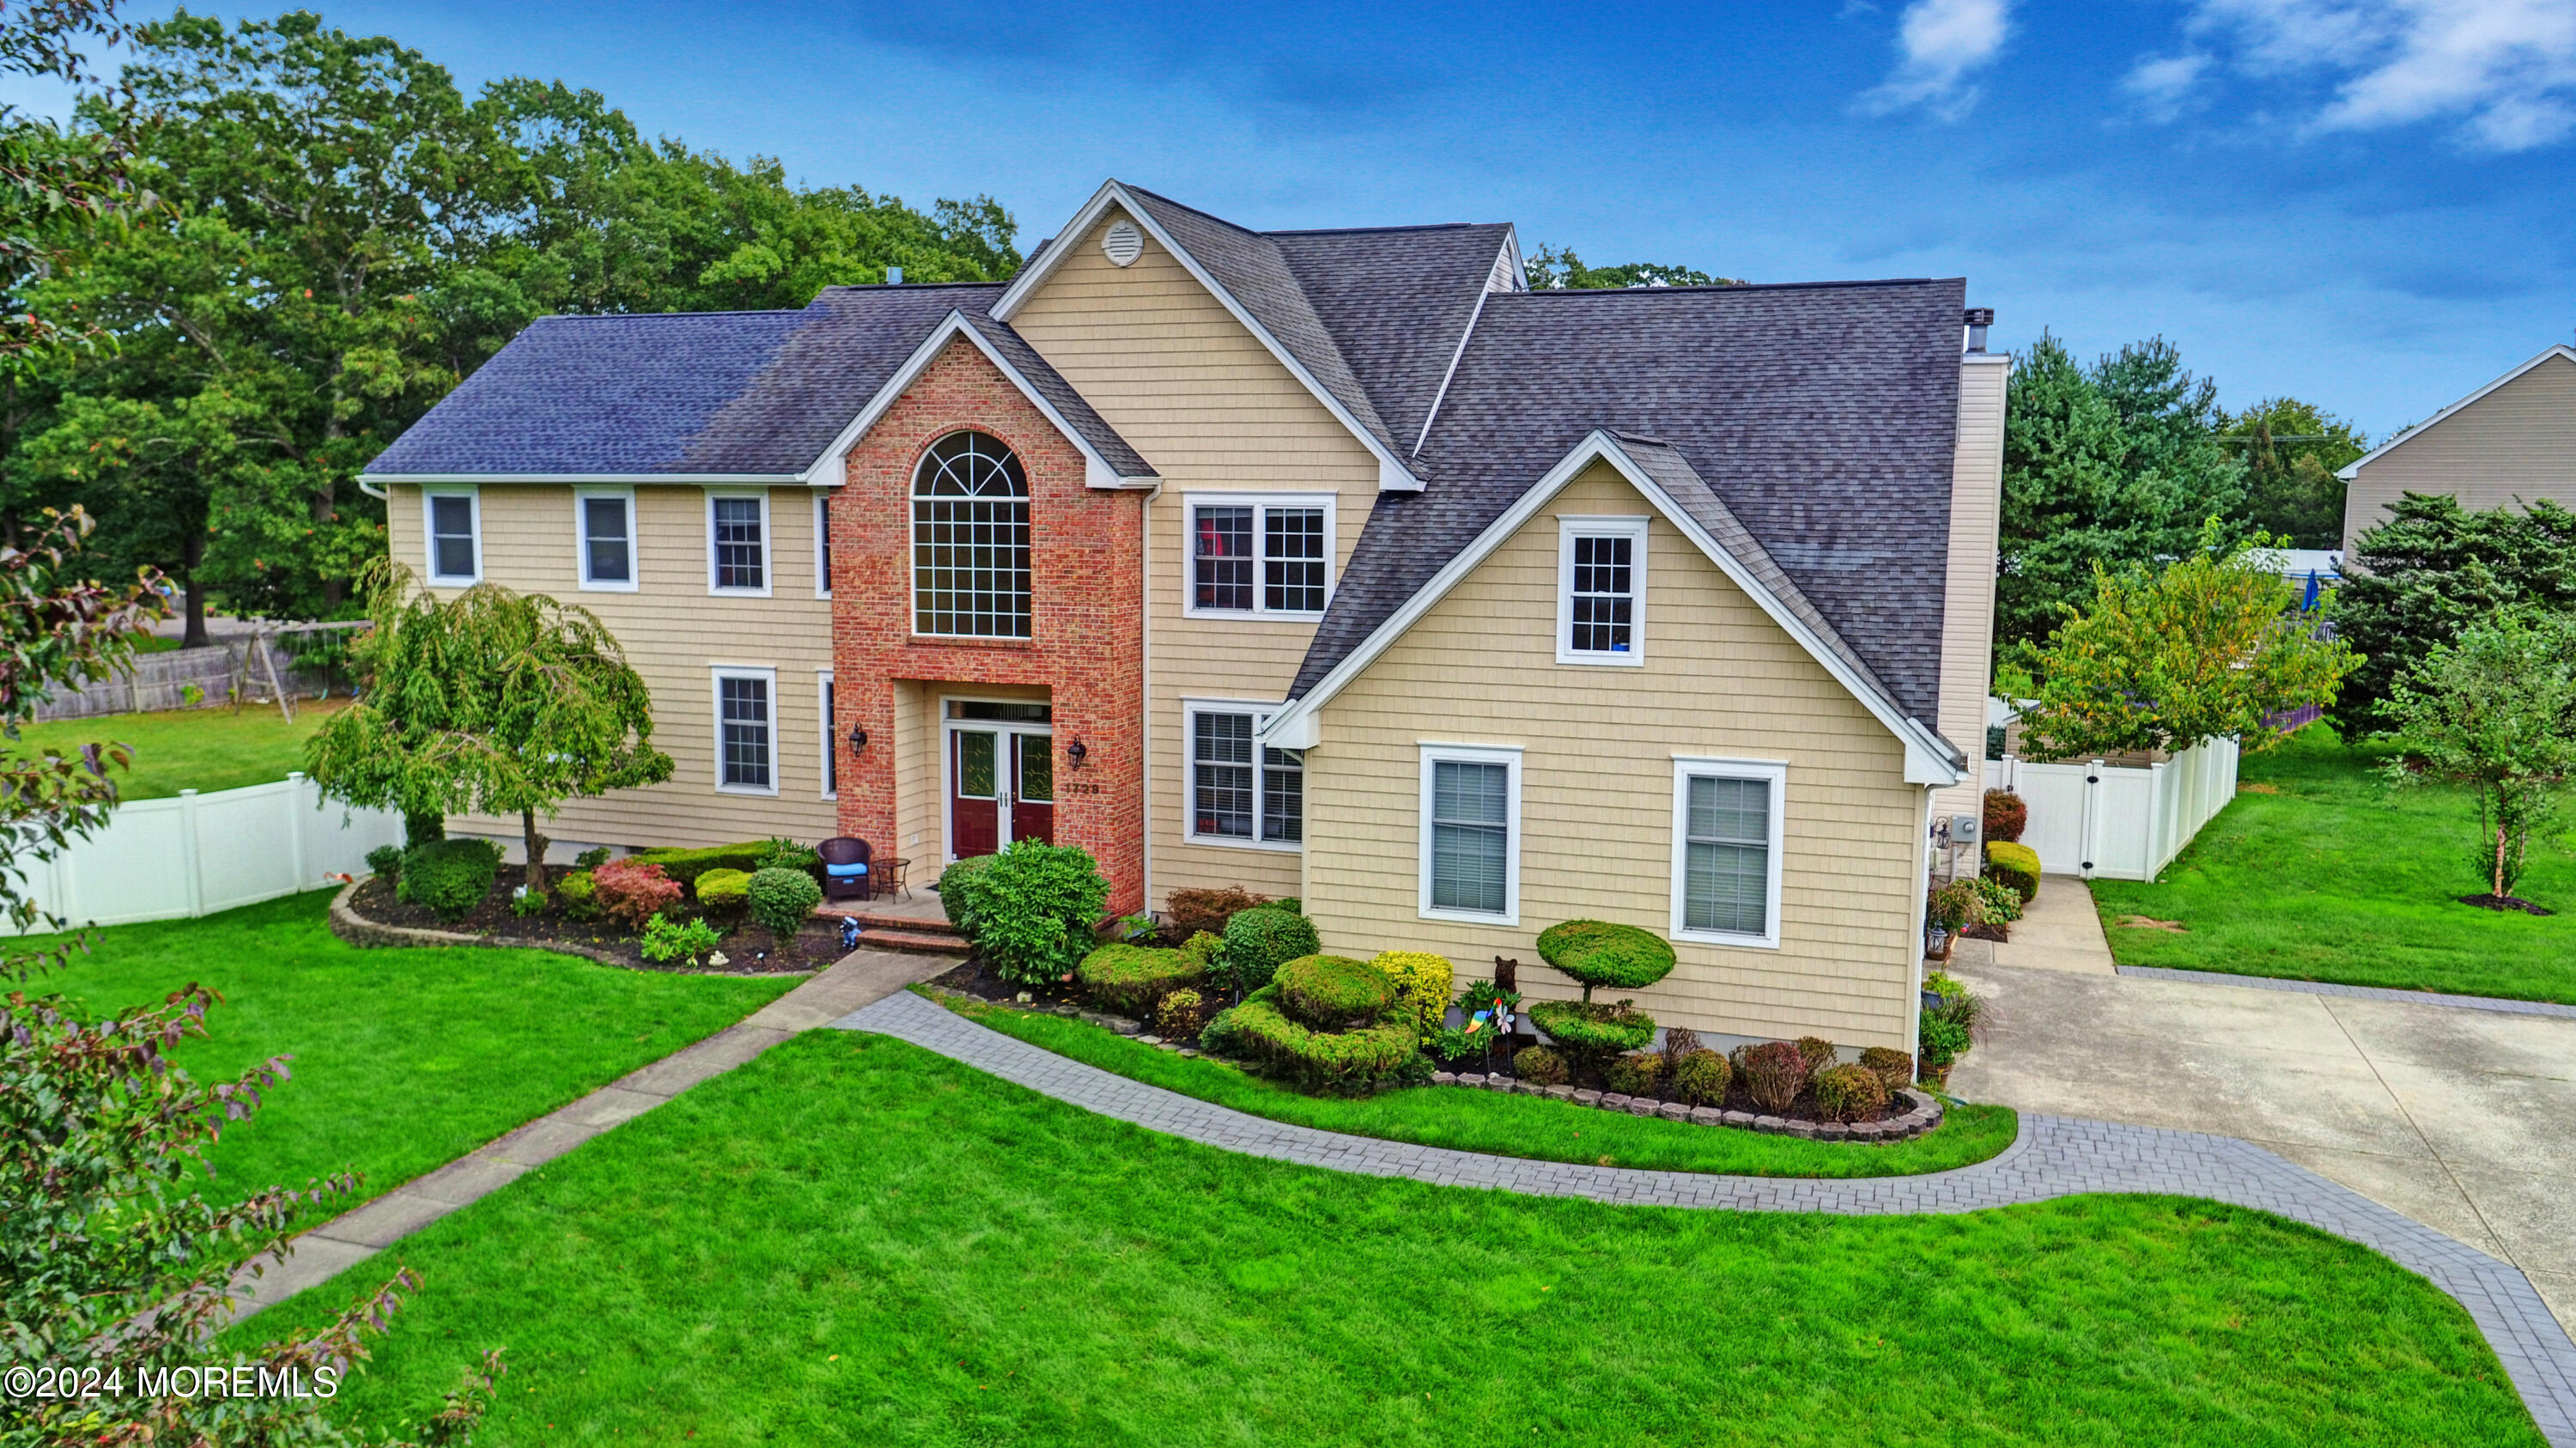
(957, 893)
(1423, 984)
(782, 900)
(1773, 1074)
(1332, 992)
(1891, 1066)
(1035, 909)
(1817, 1052)
(1260, 940)
(1336, 1061)
(1541, 1067)
(1636, 1074)
(579, 895)
(1129, 979)
(448, 877)
(385, 860)
(2015, 865)
(2006, 815)
(1589, 1032)
(1849, 1093)
(1700, 1077)
(1598, 953)
(724, 894)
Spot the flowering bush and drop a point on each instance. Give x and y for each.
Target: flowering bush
(632, 892)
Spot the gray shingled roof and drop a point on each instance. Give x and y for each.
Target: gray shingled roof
(1399, 298)
(1824, 417)
(753, 394)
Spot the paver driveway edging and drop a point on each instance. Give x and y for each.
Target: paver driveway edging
(2055, 1156)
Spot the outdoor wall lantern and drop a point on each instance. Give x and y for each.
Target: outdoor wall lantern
(1077, 752)
(858, 740)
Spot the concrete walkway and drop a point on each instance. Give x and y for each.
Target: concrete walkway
(2055, 1156)
(352, 1237)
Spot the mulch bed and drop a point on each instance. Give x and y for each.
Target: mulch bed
(2506, 903)
(975, 978)
(746, 947)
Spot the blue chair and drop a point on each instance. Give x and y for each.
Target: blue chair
(846, 875)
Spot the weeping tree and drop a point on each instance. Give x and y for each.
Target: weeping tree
(2495, 711)
(493, 701)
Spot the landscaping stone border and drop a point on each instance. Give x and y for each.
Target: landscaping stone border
(2501, 1004)
(1921, 1115)
(364, 933)
(2054, 1156)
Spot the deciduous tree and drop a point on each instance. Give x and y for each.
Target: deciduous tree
(2494, 710)
(2291, 450)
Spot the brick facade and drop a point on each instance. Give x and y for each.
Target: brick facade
(1086, 643)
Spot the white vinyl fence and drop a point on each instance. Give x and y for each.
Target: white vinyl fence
(170, 859)
(2120, 824)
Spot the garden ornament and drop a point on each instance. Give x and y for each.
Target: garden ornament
(849, 932)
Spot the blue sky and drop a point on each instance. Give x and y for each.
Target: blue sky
(2366, 203)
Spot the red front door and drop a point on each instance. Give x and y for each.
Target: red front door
(1033, 802)
(974, 791)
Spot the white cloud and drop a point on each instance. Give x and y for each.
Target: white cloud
(2163, 84)
(2504, 69)
(1939, 44)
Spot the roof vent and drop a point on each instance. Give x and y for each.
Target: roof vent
(1978, 320)
(1122, 243)
(894, 276)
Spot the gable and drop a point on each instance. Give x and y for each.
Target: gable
(2520, 429)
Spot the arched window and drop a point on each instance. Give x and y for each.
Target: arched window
(970, 539)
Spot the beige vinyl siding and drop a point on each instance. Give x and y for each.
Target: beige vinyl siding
(1719, 679)
(2516, 444)
(1212, 410)
(673, 632)
(1968, 601)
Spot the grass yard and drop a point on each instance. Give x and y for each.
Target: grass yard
(201, 749)
(2324, 872)
(404, 1059)
(852, 1240)
(1522, 1126)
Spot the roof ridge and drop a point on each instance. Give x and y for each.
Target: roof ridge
(1735, 287)
(653, 316)
(1194, 211)
(1358, 230)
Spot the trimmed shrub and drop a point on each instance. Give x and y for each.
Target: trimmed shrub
(1849, 1093)
(1260, 940)
(1636, 1074)
(724, 893)
(1333, 992)
(1219, 1037)
(1423, 984)
(1129, 979)
(591, 859)
(579, 895)
(1598, 953)
(1817, 1051)
(1679, 1041)
(385, 860)
(1700, 1077)
(448, 877)
(1943, 1041)
(1773, 1074)
(686, 866)
(1193, 911)
(780, 853)
(633, 891)
(2016, 865)
(1589, 1032)
(1338, 1061)
(957, 890)
(2006, 816)
(1036, 910)
(1893, 1066)
(1291, 904)
(1181, 1015)
(782, 900)
(1541, 1067)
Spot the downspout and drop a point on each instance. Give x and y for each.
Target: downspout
(1922, 906)
(1145, 705)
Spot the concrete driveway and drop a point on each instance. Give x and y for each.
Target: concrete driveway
(2462, 1119)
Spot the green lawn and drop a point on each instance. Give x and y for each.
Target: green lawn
(404, 1059)
(853, 1240)
(201, 749)
(1524, 1126)
(2339, 877)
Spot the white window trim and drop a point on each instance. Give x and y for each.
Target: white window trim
(1192, 502)
(429, 534)
(581, 542)
(1569, 528)
(768, 544)
(822, 544)
(1503, 754)
(715, 708)
(1776, 774)
(1260, 712)
(823, 690)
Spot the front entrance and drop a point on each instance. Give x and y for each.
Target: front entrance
(1001, 775)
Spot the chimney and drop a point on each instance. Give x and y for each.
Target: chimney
(1978, 320)
(894, 278)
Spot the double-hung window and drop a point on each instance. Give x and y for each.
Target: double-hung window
(746, 730)
(1471, 822)
(605, 521)
(1726, 850)
(738, 543)
(1260, 556)
(1242, 791)
(1600, 590)
(454, 525)
(822, 545)
(831, 735)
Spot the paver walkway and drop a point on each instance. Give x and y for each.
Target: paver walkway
(2055, 1156)
(352, 1237)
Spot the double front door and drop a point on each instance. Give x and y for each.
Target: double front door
(1001, 786)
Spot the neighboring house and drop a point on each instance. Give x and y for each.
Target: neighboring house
(2511, 441)
(1333, 564)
